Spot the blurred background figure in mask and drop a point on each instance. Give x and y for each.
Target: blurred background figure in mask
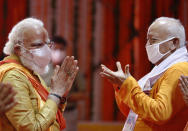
(58, 50)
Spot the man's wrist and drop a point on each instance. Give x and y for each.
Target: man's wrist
(59, 93)
(61, 99)
(56, 95)
(54, 98)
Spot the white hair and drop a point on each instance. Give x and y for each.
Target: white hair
(17, 33)
(174, 27)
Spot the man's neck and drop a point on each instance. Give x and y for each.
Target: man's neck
(162, 59)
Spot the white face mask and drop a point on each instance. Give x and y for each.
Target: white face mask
(154, 55)
(41, 56)
(37, 59)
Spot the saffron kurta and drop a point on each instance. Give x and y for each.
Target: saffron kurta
(164, 109)
(30, 113)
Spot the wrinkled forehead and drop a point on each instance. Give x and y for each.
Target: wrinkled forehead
(35, 33)
(158, 29)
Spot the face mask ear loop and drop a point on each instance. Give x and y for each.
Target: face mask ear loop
(171, 48)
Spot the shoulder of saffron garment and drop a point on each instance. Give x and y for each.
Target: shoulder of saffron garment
(161, 105)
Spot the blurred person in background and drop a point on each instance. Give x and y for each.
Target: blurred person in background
(58, 51)
(155, 103)
(29, 54)
(7, 100)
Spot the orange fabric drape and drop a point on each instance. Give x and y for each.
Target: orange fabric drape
(108, 59)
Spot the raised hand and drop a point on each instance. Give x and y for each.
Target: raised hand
(184, 87)
(64, 76)
(117, 77)
(7, 100)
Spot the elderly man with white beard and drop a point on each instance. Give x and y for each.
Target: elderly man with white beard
(28, 55)
(155, 103)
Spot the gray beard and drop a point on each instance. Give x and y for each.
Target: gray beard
(32, 66)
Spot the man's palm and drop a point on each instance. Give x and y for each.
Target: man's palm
(117, 77)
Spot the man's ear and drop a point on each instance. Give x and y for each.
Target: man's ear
(176, 44)
(17, 49)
